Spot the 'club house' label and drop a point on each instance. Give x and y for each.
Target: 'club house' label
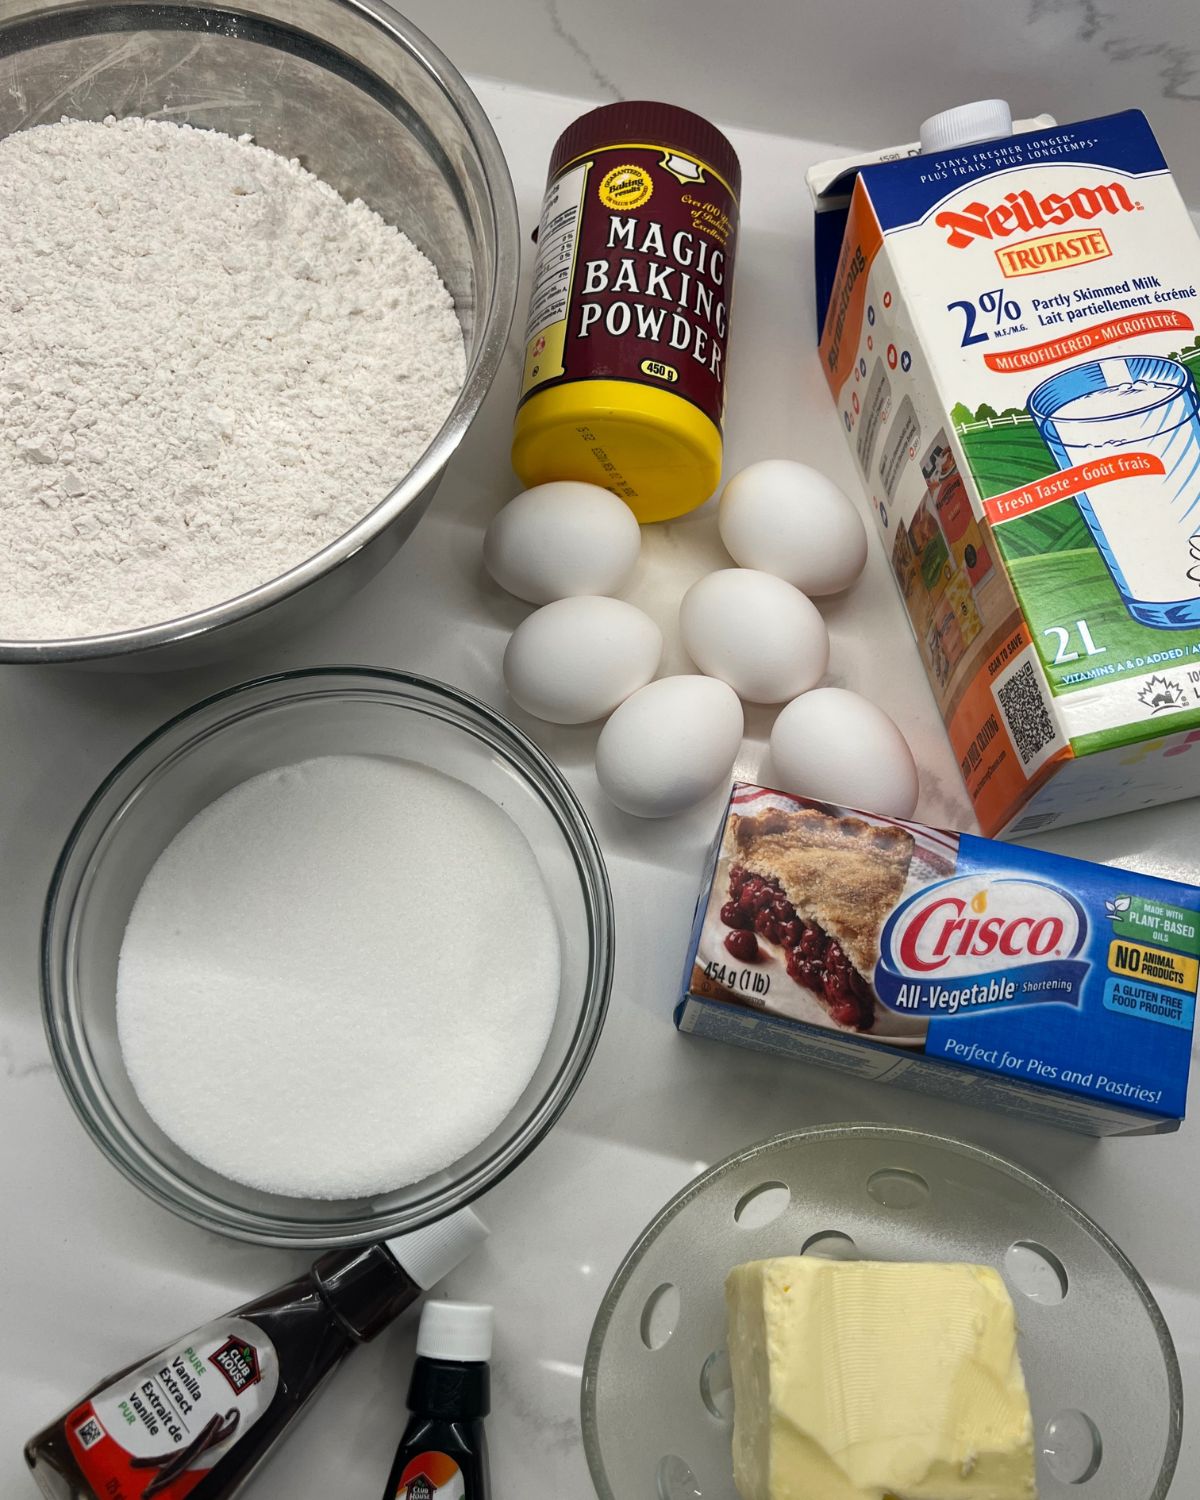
(238, 1362)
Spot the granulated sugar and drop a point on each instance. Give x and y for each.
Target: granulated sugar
(338, 978)
(212, 366)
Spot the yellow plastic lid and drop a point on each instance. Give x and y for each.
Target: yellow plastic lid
(660, 453)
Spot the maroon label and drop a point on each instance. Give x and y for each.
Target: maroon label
(639, 243)
(238, 1362)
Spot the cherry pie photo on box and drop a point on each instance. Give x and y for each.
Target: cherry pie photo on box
(798, 902)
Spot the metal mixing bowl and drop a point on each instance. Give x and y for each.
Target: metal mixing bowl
(370, 105)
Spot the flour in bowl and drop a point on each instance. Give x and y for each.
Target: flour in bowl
(338, 978)
(213, 365)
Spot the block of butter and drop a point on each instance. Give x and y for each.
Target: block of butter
(871, 1380)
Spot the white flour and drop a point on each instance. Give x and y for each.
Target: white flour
(338, 978)
(211, 366)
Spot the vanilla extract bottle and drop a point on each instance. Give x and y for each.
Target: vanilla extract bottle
(198, 1417)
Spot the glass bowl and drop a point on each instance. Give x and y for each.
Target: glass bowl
(364, 100)
(194, 759)
(1104, 1381)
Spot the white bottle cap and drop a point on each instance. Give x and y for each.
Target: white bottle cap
(984, 120)
(455, 1330)
(433, 1252)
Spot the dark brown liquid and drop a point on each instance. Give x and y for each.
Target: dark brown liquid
(313, 1323)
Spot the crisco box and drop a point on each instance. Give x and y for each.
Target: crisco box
(1010, 332)
(979, 971)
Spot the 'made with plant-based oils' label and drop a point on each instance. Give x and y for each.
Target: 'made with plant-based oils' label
(1011, 331)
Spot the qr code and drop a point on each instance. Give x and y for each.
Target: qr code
(89, 1433)
(1033, 821)
(1027, 714)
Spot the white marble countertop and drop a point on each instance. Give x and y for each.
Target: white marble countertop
(95, 1275)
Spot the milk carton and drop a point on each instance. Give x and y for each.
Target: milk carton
(1010, 331)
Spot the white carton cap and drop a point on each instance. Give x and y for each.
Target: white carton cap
(455, 1330)
(984, 120)
(433, 1252)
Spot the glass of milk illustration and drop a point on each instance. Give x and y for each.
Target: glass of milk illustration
(1147, 527)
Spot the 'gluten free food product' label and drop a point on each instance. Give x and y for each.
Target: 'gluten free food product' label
(431, 1476)
(633, 275)
(160, 1428)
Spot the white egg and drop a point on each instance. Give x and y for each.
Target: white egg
(755, 632)
(835, 746)
(562, 539)
(788, 519)
(574, 660)
(669, 745)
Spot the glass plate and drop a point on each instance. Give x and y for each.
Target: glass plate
(1103, 1378)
